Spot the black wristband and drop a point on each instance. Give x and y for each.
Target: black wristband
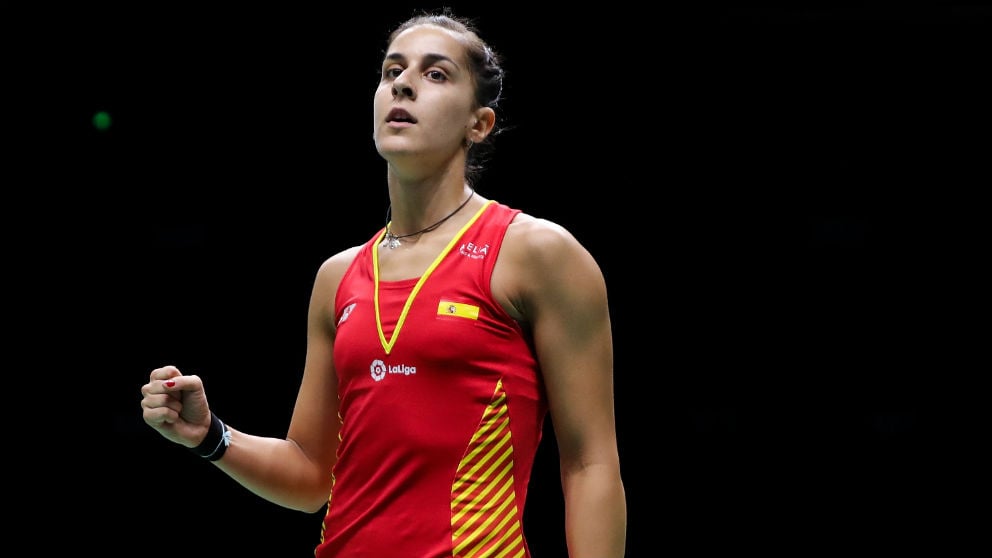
(215, 444)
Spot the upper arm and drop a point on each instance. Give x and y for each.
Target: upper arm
(315, 422)
(562, 293)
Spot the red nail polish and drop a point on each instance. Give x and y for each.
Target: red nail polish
(170, 383)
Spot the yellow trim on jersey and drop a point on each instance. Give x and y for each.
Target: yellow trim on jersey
(387, 345)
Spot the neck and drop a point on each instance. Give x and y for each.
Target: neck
(429, 220)
(415, 205)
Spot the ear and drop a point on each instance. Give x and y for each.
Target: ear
(481, 123)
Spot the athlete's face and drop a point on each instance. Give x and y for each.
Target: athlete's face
(425, 101)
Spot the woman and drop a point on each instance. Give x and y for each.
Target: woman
(436, 349)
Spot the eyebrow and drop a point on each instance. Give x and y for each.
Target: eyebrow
(429, 59)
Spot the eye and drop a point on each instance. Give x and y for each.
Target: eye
(392, 72)
(436, 75)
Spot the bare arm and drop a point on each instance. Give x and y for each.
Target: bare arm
(294, 472)
(562, 293)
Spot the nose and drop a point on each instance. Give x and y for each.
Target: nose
(403, 89)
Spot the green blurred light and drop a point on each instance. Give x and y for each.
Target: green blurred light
(101, 120)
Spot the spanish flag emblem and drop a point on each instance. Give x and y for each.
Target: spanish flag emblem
(458, 309)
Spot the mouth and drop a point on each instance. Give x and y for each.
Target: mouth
(400, 115)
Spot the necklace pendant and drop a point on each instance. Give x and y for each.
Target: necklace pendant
(391, 241)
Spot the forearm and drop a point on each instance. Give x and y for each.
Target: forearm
(595, 512)
(277, 470)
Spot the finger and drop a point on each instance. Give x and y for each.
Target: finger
(165, 373)
(166, 385)
(167, 400)
(176, 384)
(159, 415)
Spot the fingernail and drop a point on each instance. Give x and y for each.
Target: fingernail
(170, 383)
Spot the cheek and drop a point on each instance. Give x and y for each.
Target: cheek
(380, 106)
(457, 120)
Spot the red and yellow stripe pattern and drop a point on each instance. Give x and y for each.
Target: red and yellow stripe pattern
(484, 517)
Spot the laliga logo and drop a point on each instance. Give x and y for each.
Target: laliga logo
(378, 370)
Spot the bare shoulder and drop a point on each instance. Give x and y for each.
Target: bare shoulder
(329, 276)
(334, 267)
(533, 238)
(541, 260)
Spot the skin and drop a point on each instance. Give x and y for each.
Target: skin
(543, 277)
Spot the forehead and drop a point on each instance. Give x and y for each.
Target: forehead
(416, 41)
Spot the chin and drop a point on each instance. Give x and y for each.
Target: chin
(394, 147)
(391, 145)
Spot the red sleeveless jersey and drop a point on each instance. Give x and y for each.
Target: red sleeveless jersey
(442, 408)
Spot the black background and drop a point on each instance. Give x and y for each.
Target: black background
(783, 202)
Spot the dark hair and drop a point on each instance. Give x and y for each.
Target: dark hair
(484, 65)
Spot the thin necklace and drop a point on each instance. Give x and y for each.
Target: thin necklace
(392, 241)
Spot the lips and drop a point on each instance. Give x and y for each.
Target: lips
(400, 115)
